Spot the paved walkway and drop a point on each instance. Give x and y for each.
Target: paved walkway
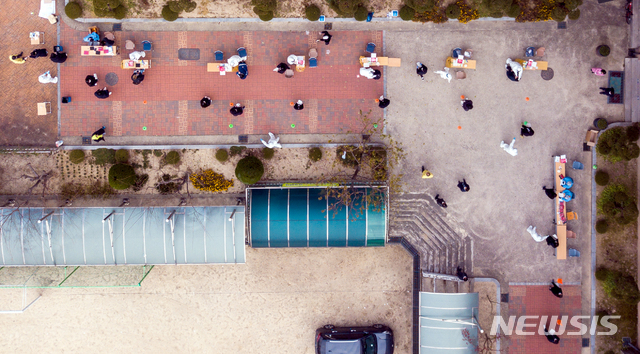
(333, 93)
(537, 300)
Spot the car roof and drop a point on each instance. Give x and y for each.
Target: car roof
(353, 346)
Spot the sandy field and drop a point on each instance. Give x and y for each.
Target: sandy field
(276, 300)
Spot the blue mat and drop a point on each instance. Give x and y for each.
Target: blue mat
(616, 80)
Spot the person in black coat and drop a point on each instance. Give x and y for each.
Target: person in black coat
(237, 110)
(326, 37)
(58, 57)
(205, 102)
(103, 93)
(281, 68)
(91, 80)
(243, 70)
(137, 77)
(464, 187)
(440, 201)
(550, 192)
(552, 241)
(555, 289)
(467, 105)
(37, 53)
(551, 336)
(299, 105)
(526, 131)
(421, 70)
(609, 91)
(511, 74)
(376, 74)
(383, 102)
(461, 274)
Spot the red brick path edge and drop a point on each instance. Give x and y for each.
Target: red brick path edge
(167, 101)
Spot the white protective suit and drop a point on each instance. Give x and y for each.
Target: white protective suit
(273, 141)
(46, 78)
(516, 67)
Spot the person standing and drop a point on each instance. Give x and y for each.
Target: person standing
(98, 135)
(599, 71)
(370, 73)
(550, 192)
(58, 57)
(281, 68)
(383, 102)
(421, 70)
(440, 201)
(237, 110)
(205, 102)
(243, 70)
(467, 104)
(91, 80)
(555, 289)
(137, 77)
(426, 173)
(461, 274)
(526, 130)
(551, 336)
(103, 93)
(326, 37)
(553, 241)
(298, 106)
(464, 187)
(609, 91)
(17, 59)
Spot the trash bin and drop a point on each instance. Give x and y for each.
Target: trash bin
(58, 48)
(66, 99)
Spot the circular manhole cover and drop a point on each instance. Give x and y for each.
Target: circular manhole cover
(547, 74)
(111, 79)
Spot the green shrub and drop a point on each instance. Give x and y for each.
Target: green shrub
(602, 226)
(190, 6)
(140, 182)
(76, 156)
(103, 12)
(615, 146)
(406, 13)
(222, 155)
(602, 178)
(632, 152)
(574, 14)
(602, 273)
(633, 132)
(452, 11)
(121, 176)
(615, 203)
(236, 150)
(266, 17)
(249, 170)
(572, 4)
(361, 13)
(601, 123)
(621, 287)
(351, 158)
(558, 14)
(315, 154)
(175, 6)
(166, 186)
(420, 5)
(122, 156)
(107, 5)
(168, 15)
(73, 10)
(267, 153)
(344, 8)
(172, 158)
(104, 156)
(264, 8)
(312, 12)
(604, 50)
(157, 153)
(120, 12)
(514, 11)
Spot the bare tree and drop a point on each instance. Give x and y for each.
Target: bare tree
(38, 179)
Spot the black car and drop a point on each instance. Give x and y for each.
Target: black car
(376, 339)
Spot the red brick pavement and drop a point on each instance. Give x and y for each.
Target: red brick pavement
(172, 88)
(537, 300)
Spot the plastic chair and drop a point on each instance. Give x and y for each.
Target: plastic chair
(574, 252)
(242, 52)
(577, 165)
(540, 52)
(58, 48)
(529, 52)
(572, 215)
(219, 55)
(313, 62)
(109, 36)
(456, 52)
(571, 234)
(129, 45)
(146, 46)
(288, 74)
(371, 47)
(461, 75)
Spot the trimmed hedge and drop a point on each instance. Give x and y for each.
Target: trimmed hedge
(122, 156)
(558, 14)
(120, 12)
(514, 11)
(73, 10)
(267, 153)
(619, 285)
(406, 13)
(453, 11)
(222, 155)
(76, 156)
(574, 15)
(264, 8)
(361, 13)
(312, 12)
(104, 156)
(633, 132)
(169, 15)
(315, 154)
(249, 170)
(172, 158)
(602, 178)
(602, 226)
(121, 176)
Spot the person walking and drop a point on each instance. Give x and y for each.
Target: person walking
(461, 274)
(98, 135)
(440, 201)
(17, 59)
(421, 70)
(370, 73)
(281, 68)
(37, 53)
(550, 192)
(383, 102)
(91, 80)
(103, 93)
(58, 57)
(237, 110)
(553, 241)
(609, 91)
(426, 173)
(555, 289)
(464, 187)
(326, 37)
(467, 104)
(137, 77)
(599, 71)
(551, 336)
(298, 106)
(205, 102)
(243, 70)
(526, 130)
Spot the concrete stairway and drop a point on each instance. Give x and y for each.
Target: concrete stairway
(436, 237)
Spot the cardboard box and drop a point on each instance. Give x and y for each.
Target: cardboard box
(590, 139)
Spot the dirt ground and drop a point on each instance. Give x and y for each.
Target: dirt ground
(238, 8)
(286, 165)
(276, 300)
(614, 251)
